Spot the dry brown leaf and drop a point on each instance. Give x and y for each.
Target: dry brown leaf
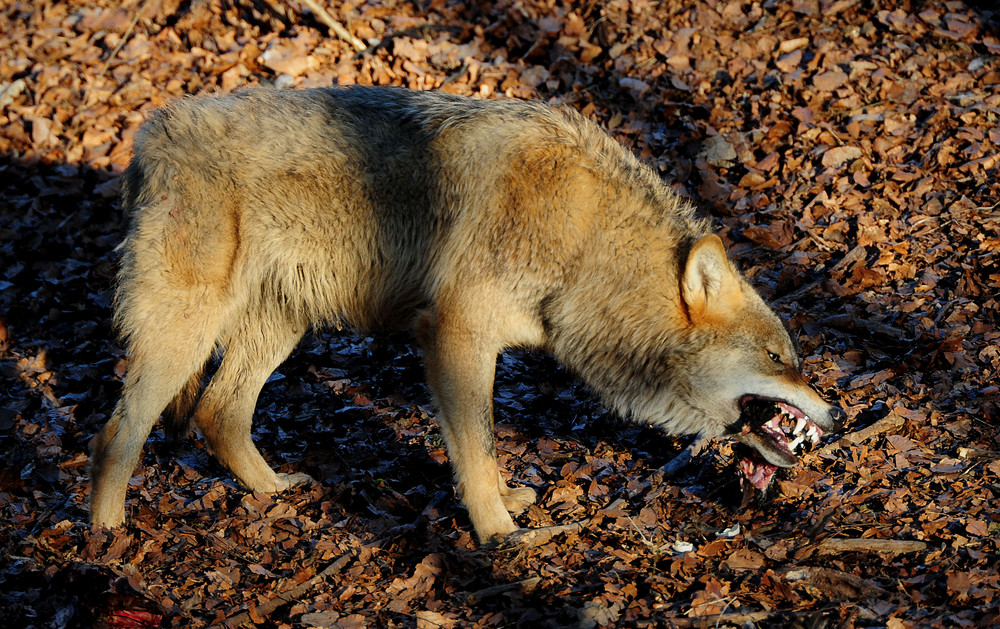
(837, 156)
(433, 620)
(290, 57)
(790, 61)
(829, 81)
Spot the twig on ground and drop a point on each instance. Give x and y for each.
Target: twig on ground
(474, 598)
(836, 584)
(975, 454)
(854, 255)
(850, 322)
(114, 52)
(672, 467)
(266, 609)
(338, 29)
(835, 546)
(541, 535)
(422, 31)
(676, 464)
(721, 620)
(890, 423)
(522, 538)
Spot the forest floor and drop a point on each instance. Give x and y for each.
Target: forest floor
(847, 152)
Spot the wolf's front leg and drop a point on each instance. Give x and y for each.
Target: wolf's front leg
(461, 364)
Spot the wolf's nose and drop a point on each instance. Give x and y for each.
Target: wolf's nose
(838, 416)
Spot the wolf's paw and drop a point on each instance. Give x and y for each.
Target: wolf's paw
(290, 481)
(108, 519)
(539, 536)
(517, 499)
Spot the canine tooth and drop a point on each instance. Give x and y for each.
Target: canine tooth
(797, 442)
(812, 434)
(799, 425)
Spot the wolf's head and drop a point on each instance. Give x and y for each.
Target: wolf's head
(741, 371)
(684, 343)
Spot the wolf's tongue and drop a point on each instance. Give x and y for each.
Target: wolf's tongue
(774, 451)
(761, 476)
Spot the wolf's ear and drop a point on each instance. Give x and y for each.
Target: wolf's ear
(709, 288)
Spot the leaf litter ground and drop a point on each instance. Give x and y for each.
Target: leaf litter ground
(846, 150)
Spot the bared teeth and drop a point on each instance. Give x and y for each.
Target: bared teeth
(788, 426)
(797, 442)
(813, 434)
(803, 429)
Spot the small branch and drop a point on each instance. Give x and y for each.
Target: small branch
(268, 608)
(975, 454)
(850, 322)
(890, 423)
(722, 620)
(835, 546)
(676, 464)
(125, 36)
(836, 584)
(474, 598)
(114, 52)
(338, 29)
(541, 535)
(522, 538)
(672, 467)
(853, 256)
(422, 31)
(456, 75)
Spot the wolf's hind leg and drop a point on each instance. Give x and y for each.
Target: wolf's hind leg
(225, 413)
(160, 365)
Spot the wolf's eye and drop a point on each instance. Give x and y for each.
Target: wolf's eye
(774, 357)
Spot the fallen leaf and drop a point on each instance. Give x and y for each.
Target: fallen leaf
(829, 81)
(837, 156)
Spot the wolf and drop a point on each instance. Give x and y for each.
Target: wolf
(481, 226)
